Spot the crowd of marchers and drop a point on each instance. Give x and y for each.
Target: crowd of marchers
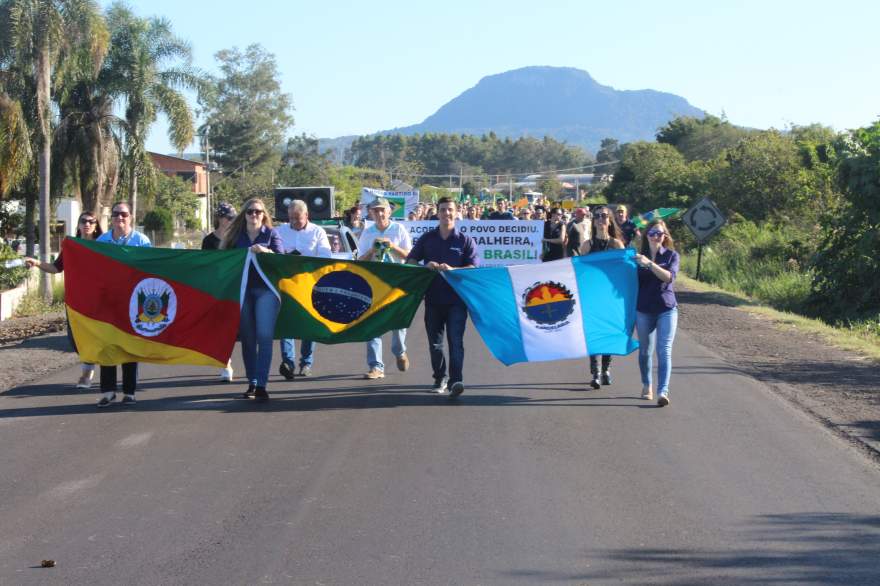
(443, 248)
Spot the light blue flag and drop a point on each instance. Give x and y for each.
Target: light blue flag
(568, 308)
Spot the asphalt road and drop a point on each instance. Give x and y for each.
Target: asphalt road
(528, 478)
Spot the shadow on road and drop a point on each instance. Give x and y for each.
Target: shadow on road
(710, 298)
(861, 378)
(804, 548)
(55, 341)
(313, 399)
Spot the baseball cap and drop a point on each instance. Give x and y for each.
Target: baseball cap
(379, 202)
(225, 210)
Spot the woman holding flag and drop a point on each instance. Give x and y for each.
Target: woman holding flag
(252, 229)
(87, 227)
(605, 237)
(656, 308)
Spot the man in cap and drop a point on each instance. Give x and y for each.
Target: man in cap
(384, 241)
(627, 227)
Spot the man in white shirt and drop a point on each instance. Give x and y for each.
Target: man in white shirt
(384, 241)
(300, 237)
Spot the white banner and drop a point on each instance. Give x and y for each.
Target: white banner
(499, 242)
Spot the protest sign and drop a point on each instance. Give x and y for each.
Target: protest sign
(499, 242)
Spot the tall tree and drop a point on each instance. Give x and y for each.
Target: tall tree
(86, 146)
(303, 163)
(249, 117)
(15, 146)
(608, 157)
(41, 41)
(148, 67)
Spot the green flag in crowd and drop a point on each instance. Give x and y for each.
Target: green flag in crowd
(643, 220)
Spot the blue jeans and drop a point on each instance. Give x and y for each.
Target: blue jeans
(257, 330)
(374, 348)
(306, 352)
(656, 329)
(452, 319)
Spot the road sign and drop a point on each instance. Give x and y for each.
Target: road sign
(704, 219)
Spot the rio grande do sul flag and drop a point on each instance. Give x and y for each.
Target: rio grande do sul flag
(332, 301)
(568, 308)
(133, 304)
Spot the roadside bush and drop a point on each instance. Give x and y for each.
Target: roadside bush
(769, 262)
(159, 220)
(846, 285)
(10, 278)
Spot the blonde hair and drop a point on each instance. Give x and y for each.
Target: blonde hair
(240, 221)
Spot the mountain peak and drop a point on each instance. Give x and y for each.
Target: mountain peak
(562, 102)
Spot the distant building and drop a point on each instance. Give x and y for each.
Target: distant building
(193, 172)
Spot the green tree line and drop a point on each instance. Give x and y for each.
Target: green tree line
(442, 154)
(804, 208)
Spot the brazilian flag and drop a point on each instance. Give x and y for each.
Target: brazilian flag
(334, 301)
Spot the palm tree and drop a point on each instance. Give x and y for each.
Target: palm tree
(43, 40)
(86, 146)
(15, 146)
(143, 67)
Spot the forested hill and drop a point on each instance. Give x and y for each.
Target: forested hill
(562, 102)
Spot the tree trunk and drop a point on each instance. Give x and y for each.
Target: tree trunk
(43, 89)
(133, 193)
(30, 210)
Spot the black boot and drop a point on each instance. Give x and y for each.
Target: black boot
(249, 392)
(260, 394)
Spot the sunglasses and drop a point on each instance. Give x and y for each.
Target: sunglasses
(85, 221)
(656, 233)
(120, 214)
(254, 212)
(600, 216)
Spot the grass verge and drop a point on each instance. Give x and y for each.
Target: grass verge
(34, 304)
(861, 340)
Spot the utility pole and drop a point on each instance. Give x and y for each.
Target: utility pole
(209, 197)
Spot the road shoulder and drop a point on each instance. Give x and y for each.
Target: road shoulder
(839, 388)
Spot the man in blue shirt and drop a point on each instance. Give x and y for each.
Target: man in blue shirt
(121, 233)
(445, 249)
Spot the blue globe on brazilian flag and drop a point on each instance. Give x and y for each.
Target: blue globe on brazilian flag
(334, 302)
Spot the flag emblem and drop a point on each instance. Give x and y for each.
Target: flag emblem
(152, 307)
(547, 303)
(342, 296)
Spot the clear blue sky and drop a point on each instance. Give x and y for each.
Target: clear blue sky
(355, 67)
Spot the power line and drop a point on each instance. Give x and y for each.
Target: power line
(500, 175)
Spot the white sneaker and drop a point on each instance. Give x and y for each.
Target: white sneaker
(662, 400)
(85, 380)
(226, 374)
(647, 393)
(439, 386)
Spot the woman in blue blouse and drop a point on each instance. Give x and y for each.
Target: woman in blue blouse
(252, 228)
(656, 309)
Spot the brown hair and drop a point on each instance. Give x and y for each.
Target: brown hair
(667, 241)
(240, 221)
(97, 231)
(612, 225)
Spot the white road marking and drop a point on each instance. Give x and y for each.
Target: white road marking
(65, 489)
(135, 439)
